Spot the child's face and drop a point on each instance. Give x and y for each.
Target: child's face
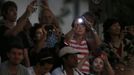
(79, 29)
(98, 64)
(46, 68)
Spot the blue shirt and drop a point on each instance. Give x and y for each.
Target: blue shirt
(51, 40)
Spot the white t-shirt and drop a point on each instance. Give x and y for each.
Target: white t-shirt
(61, 71)
(32, 72)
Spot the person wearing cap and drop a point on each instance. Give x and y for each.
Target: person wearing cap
(15, 56)
(43, 64)
(79, 38)
(100, 64)
(69, 62)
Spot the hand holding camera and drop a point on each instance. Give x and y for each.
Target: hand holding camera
(49, 29)
(87, 23)
(31, 8)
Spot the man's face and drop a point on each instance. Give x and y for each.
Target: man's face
(46, 68)
(11, 14)
(15, 56)
(72, 60)
(39, 33)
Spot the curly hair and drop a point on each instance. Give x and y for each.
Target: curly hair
(107, 24)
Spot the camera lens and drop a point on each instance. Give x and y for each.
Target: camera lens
(49, 29)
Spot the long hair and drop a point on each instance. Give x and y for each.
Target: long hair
(71, 33)
(33, 30)
(54, 21)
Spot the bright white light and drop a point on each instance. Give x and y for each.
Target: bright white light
(80, 20)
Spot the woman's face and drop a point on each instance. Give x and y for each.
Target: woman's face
(46, 17)
(79, 29)
(38, 33)
(98, 64)
(115, 29)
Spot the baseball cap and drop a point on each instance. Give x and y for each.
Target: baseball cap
(67, 50)
(47, 59)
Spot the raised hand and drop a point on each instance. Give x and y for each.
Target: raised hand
(44, 2)
(104, 56)
(89, 24)
(31, 8)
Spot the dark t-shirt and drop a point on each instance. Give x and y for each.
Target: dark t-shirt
(3, 42)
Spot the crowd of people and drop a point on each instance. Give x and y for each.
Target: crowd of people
(42, 48)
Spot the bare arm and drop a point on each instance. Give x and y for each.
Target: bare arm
(53, 21)
(96, 37)
(26, 58)
(107, 65)
(21, 22)
(68, 36)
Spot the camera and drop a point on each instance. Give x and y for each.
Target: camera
(38, 2)
(49, 29)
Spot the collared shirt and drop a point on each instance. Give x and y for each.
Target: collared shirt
(61, 71)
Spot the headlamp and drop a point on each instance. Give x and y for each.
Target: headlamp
(80, 20)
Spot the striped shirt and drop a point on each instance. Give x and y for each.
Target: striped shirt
(83, 49)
